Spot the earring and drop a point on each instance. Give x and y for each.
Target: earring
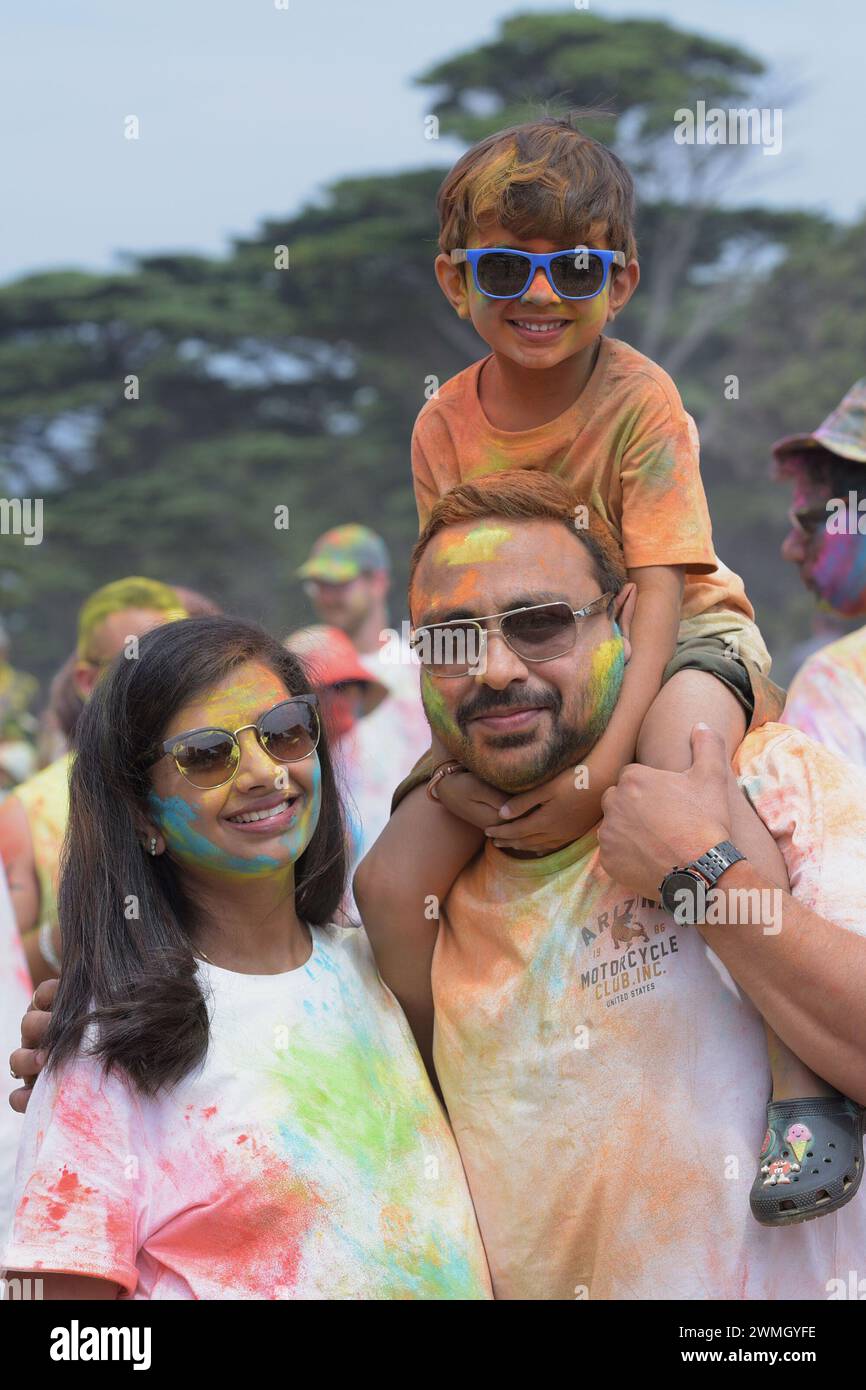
(151, 849)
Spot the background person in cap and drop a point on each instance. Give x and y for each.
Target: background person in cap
(33, 819)
(348, 696)
(347, 578)
(827, 698)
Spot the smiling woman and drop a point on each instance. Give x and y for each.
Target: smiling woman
(233, 1105)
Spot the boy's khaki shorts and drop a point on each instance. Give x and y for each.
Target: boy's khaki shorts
(726, 644)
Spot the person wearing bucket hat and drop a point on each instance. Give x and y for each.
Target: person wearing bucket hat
(361, 746)
(827, 543)
(347, 577)
(33, 818)
(347, 691)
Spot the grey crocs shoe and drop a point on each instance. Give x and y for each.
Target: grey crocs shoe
(811, 1162)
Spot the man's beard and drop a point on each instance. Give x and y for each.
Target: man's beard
(566, 747)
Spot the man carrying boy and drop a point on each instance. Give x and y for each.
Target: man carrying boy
(537, 249)
(603, 1063)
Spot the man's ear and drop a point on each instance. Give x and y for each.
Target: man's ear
(623, 612)
(452, 283)
(622, 286)
(85, 674)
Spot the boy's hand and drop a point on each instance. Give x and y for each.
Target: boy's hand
(26, 1062)
(470, 799)
(557, 812)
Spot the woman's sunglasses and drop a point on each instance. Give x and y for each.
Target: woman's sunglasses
(210, 757)
(578, 273)
(539, 633)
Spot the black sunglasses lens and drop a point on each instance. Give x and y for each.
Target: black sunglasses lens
(206, 758)
(537, 633)
(290, 732)
(502, 274)
(577, 275)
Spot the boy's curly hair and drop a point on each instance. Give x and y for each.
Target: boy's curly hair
(545, 179)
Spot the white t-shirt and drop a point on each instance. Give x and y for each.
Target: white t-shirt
(307, 1158)
(607, 1079)
(15, 991)
(827, 698)
(396, 734)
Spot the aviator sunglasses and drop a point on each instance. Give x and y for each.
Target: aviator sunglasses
(541, 632)
(502, 273)
(209, 758)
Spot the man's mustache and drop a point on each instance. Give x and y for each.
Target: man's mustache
(515, 697)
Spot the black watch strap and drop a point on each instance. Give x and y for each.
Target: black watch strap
(713, 863)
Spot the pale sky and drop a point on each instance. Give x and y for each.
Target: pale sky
(247, 110)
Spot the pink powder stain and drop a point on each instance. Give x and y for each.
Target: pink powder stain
(246, 1211)
(67, 1190)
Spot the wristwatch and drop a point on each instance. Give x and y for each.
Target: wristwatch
(683, 891)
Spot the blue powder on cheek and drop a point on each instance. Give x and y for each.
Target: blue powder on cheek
(175, 818)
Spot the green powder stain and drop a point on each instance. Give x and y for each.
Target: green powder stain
(477, 546)
(380, 1126)
(605, 682)
(438, 713)
(378, 1121)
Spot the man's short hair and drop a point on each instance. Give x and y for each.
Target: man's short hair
(526, 495)
(541, 179)
(121, 594)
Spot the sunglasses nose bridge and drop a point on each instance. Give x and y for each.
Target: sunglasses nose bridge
(540, 290)
(506, 656)
(255, 749)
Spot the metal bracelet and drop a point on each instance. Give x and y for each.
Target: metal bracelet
(443, 770)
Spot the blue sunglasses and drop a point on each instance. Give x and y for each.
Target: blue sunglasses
(499, 272)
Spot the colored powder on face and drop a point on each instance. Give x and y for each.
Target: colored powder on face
(441, 719)
(253, 690)
(839, 573)
(176, 819)
(465, 590)
(605, 682)
(475, 548)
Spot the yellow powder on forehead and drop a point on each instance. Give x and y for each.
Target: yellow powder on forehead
(260, 688)
(475, 547)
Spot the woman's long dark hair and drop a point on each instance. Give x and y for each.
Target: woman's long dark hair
(126, 918)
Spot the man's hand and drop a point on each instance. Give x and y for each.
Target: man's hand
(470, 799)
(654, 821)
(27, 1061)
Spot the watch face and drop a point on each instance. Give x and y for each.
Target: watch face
(683, 894)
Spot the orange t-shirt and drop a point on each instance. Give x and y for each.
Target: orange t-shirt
(627, 447)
